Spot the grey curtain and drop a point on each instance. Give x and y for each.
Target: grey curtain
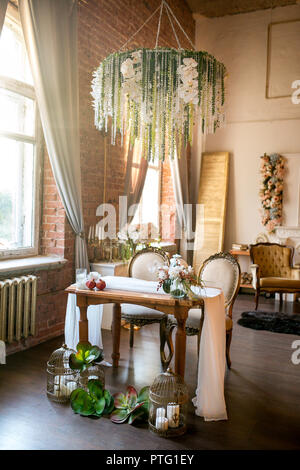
(186, 187)
(50, 32)
(3, 6)
(136, 171)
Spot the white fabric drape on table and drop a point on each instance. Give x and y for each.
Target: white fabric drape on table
(186, 188)
(210, 400)
(3, 6)
(94, 315)
(50, 32)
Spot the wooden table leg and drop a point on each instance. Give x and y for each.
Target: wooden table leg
(180, 340)
(83, 322)
(116, 333)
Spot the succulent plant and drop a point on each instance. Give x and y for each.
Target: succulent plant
(95, 402)
(85, 356)
(131, 405)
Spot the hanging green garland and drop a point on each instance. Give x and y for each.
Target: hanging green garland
(157, 95)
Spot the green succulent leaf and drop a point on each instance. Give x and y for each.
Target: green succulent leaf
(77, 398)
(119, 416)
(85, 356)
(99, 406)
(81, 402)
(120, 400)
(109, 408)
(131, 396)
(95, 388)
(143, 395)
(88, 407)
(137, 414)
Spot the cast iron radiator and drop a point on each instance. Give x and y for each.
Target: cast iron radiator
(17, 308)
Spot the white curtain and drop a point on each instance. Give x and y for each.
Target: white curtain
(3, 6)
(50, 32)
(136, 171)
(186, 187)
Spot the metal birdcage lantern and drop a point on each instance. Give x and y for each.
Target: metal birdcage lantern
(93, 372)
(168, 398)
(61, 379)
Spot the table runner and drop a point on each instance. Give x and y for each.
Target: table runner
(209, 400)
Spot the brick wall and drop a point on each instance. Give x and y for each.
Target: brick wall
(103, 27)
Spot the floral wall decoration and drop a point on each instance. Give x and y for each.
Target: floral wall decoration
(157, 95)
(271, 192)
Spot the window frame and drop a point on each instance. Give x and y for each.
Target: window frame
(26, 90)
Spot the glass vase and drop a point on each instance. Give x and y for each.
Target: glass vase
(178, 289)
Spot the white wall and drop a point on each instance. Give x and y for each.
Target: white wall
(254, 124)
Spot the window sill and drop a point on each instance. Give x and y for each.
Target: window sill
(30, 265)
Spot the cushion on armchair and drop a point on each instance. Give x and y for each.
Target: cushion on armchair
(280, 283)
(130, 309)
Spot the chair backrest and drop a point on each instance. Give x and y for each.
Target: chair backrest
(145, 263)
(274, 260)
(222, 270)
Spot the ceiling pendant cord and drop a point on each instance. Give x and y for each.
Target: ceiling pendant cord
(182, 29)
(159, 24)
(169, 12)
(173, 29)
(144, 24)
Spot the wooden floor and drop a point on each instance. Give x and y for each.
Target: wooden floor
(262, 394)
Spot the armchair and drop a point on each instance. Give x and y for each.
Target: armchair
(272, 269)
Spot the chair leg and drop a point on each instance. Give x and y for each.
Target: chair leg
(166, 337)
(131, 337)
(228, 342)
(256, 299)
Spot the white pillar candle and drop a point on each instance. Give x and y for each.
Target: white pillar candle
(160, 413)
(173, 415)
(62, 387)
(161, 424)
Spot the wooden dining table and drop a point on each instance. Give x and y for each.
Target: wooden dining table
(161, 302)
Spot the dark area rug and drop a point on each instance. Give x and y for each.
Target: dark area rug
(271, 321)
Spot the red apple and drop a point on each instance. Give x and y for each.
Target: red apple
(100, 284)
(90, 284)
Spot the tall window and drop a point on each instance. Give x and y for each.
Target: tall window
(18, 145)
(148, 210)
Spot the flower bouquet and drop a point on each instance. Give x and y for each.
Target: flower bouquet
(129, 238)
(271, 191)
(177, 279)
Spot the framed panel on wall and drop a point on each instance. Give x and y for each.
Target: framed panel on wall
(213, 189)
(283, 58)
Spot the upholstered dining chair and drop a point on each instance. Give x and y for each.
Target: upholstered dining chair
(272, 270)
(219, 270)
(144, 265)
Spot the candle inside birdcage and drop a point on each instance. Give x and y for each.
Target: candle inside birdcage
(168, 398)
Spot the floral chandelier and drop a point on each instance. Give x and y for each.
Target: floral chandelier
(158, 94)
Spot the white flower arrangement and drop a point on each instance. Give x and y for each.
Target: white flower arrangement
(179, 274)
(188, 74)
